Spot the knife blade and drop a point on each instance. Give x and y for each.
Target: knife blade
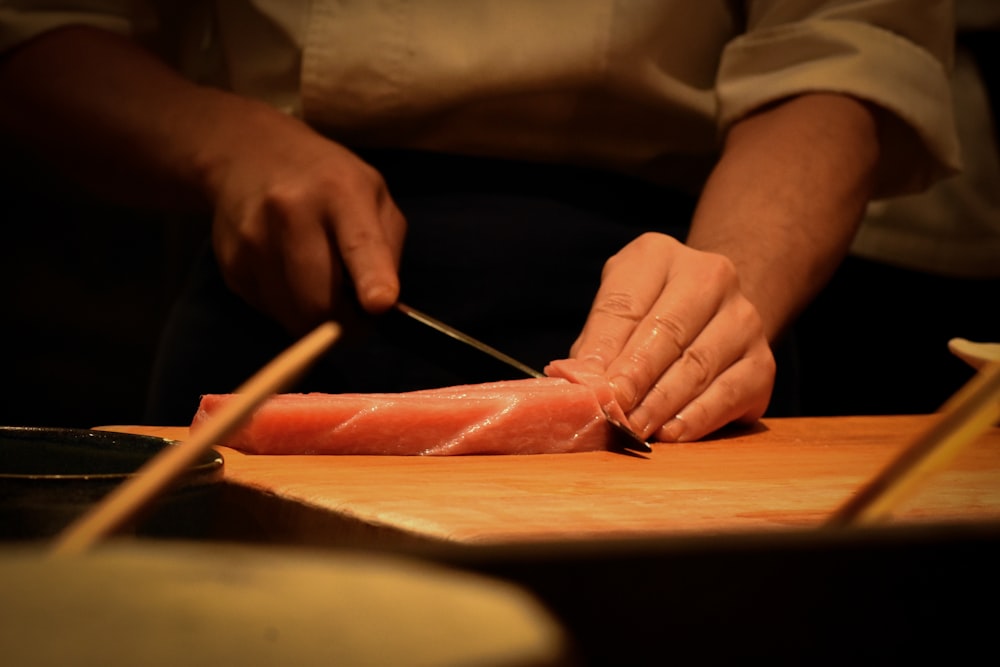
(625, 438)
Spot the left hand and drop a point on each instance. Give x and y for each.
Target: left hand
(681, 344)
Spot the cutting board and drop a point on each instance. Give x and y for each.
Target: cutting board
(782, 474)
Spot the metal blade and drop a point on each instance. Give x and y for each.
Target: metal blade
(625, 438)
(467, 339)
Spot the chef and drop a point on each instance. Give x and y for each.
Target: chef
(657, 188)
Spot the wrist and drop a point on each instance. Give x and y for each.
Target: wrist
(786, 197)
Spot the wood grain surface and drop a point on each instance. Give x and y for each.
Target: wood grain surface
(782, 474)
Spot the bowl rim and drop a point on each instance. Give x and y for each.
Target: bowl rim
(210, 461)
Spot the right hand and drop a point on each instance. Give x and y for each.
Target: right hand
(293, 211)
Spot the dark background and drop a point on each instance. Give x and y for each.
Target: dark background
(84, 290)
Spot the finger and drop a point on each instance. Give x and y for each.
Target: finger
(311, 275)
(665, 334)
(370, 244)
(740, 393)
(248, 264)
(729, 336)
(295, 269)
(630, 283)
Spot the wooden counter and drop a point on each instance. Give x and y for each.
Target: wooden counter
(716, 562)
(783, 474)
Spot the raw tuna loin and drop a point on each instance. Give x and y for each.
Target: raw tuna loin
(531, 416)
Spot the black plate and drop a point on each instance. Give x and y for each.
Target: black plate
(50, 476)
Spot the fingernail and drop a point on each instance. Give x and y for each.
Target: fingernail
(673, 430)
(638, 419)
(379, 297)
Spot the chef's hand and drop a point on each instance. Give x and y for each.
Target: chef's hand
(684, 349)
(293, 211)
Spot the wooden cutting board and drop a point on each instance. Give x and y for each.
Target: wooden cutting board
(782, 474)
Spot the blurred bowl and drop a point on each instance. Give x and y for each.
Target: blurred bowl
(50, 476)
(162, 604)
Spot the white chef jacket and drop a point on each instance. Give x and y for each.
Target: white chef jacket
(642, 86)
(953, 228)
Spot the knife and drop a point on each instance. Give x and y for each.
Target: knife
(625, 438)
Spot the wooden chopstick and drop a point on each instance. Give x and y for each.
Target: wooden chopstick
(125, 501)
(966, 415)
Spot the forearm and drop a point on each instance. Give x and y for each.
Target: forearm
(113, 117)
(786, 197)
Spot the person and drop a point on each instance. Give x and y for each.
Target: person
(657, 189)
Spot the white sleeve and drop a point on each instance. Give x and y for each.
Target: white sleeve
(895, 54)
(22, 20)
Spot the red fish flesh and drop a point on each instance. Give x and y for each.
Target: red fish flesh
(531, 416)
